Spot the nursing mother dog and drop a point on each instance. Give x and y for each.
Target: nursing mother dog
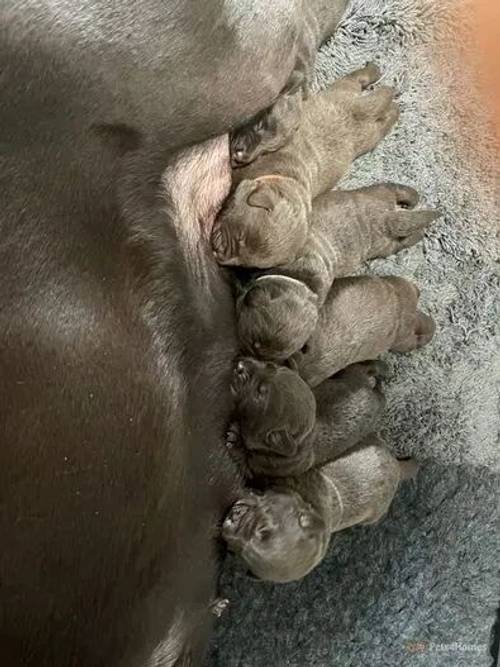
(116, 327)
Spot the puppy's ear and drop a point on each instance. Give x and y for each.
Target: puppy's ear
(281, 442)
(261, 197)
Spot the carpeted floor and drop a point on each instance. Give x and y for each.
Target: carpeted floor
(423, 586)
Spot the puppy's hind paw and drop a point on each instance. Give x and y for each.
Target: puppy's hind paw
(366, 76)
(404, 224)
(388, 118)
(425, 329)
(375, 105)
(408, 468)
(405, 197)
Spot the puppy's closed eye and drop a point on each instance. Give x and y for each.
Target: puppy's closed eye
(260, 198)
(281, 443)
(305, 520)
(262, 391)
(264, 534)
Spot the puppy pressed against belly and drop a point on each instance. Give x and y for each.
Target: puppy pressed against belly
(283, 532)
(278, 312)
(283, 428)
(265, 222)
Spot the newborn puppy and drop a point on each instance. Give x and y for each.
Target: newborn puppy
(283, 532)
(278, 312)
(275, 416)
(274, 127)
(283, 428)
(362, 318)
(265, 221)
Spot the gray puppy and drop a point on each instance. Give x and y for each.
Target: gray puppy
(282, 428)
(265, 221)
(278, 312)
(274, 127)
(283, 532)
(362, 318)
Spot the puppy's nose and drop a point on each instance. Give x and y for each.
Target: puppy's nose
(238, 155)
(241, 369)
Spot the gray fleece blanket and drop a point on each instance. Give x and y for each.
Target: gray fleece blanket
(423, 586)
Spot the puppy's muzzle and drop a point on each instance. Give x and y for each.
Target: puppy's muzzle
(239, 156)
(241, 153)
(221, 246)
(240, 521)
(241, 376)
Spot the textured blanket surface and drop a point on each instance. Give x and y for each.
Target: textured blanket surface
(423, 586)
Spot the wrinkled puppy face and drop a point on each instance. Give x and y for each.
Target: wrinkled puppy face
(268, 132)
(279, 536)
(276, 409)
(262, 224)
(276, 316)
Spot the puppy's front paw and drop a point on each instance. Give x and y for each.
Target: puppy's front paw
(219, 606)
(233, 436)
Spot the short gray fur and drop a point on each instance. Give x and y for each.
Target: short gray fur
(430, 572)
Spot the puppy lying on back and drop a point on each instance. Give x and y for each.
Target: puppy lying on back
(265, 221)
(283, 428)
(283, 532)
(278, 312)
(275, 126)
(362, 318)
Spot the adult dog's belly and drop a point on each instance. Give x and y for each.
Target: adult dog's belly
(115, 361)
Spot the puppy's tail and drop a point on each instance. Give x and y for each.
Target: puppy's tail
(408, 468)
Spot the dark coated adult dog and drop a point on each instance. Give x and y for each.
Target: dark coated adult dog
(116, 327)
